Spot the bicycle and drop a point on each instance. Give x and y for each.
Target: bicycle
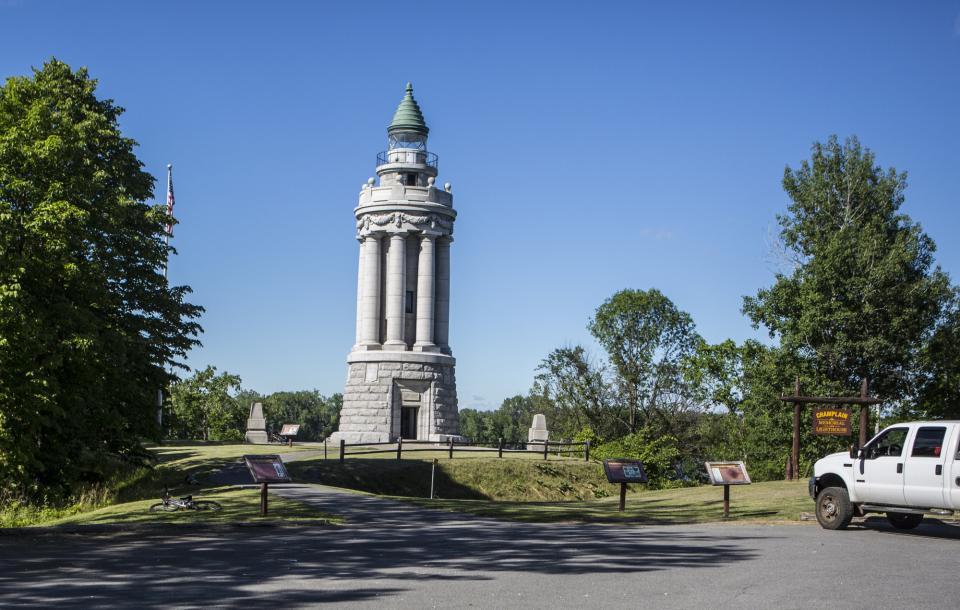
(169, 504)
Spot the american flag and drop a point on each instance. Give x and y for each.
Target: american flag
(170, 198)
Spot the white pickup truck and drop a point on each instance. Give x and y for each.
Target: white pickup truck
(906, 471)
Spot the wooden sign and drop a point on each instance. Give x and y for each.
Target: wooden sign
(624, 471)
(727, 473)
(831, 420)
(267, 468)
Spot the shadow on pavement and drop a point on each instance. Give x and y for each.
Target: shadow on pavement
(928, 528)
(301, 565)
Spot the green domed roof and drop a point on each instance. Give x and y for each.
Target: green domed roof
(408, 116)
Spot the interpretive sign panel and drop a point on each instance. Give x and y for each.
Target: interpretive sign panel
(624, 471)
(267, 468)
(831, 420)
(727, 473)
(289, 429)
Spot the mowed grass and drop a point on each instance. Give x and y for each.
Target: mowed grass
(183, 468)
(775, 501)
(520, 486)
(523, 487)
(239, 506)
(477, 476)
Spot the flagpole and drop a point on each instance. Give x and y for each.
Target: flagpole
(166, 242)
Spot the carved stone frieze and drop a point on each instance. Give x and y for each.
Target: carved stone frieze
(367, 222)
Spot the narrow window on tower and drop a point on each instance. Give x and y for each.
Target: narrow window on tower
(411, 180)
(409, 301)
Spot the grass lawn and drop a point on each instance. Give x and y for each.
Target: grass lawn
(772, 502)
(127, 497)
(468, 476)
(561, 489)
(521, 486)
(239, 505)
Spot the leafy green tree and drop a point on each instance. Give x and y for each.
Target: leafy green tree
(862, 294)
(938, 387)
(317, 415)
(747, 421)
(646, 339)
(88, 324)
(204, 406)
(579, 387)
(471, 425)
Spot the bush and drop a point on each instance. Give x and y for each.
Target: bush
(658, 453)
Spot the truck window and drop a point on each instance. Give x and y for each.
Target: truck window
(890, 443)
(929, 442)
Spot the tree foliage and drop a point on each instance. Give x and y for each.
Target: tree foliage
(203, 407)
(640, 383)
(746, 420)
(317, 414)
(938, 387)
(580, 387)
(211, 406)
(88, 324)
(511, 421)
(863, 295)
(646, 339)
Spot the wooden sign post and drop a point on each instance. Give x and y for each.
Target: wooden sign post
(833, 418)
(624, 471)
(266, 469)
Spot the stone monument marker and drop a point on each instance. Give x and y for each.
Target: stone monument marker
(256, 426)
(400, 372)
(538, 434)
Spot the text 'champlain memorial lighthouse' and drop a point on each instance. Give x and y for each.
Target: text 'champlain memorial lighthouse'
(400, 380)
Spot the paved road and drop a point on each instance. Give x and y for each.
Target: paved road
(390, 555)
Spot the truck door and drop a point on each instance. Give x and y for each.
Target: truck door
(878, 474)
(952, 484)
(923, 474)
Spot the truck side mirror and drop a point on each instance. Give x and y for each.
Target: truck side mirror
(855, 450)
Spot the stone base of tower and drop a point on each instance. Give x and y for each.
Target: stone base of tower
(400, 394)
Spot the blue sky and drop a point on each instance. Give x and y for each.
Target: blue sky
(591, 147)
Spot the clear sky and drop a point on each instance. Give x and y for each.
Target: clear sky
(591, 147)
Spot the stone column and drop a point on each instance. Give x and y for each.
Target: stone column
(396, 285)
(425, 293)
(370, 321)
(360, 296)
(442, 315)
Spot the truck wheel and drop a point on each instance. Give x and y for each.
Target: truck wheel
(834, 510)
(904, 521)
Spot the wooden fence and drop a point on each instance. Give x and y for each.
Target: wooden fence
(411, 446)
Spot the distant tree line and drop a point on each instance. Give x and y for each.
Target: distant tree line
(214, 407)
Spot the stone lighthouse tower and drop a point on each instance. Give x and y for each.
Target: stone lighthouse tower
(400, 380)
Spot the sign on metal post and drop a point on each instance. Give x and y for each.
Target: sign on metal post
(831, 420)
(624, 471)
(266, 469)
(727, 474)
